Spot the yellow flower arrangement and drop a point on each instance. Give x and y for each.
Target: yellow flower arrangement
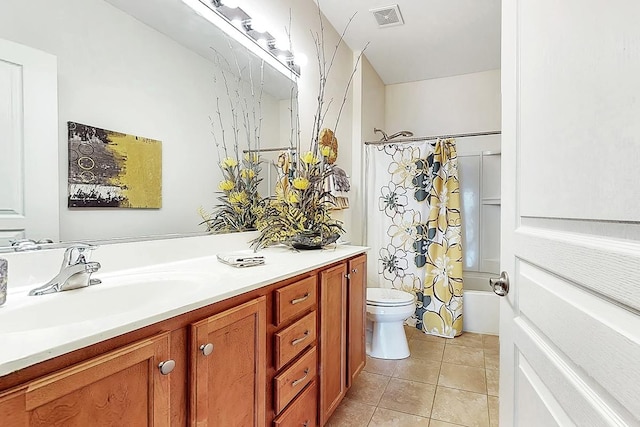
(309, 158)
(293, 198)
(301, 183)
(325, 150)
(239, 202)
(229, 162)
(238, 197)
(226, 185)
(247, 173)
(299, 213)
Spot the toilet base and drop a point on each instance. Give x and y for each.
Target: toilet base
(387, 340)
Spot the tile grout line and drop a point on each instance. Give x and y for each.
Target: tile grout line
(438, 384)
(433, 401)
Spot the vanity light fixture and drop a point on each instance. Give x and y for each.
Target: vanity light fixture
(249, 32)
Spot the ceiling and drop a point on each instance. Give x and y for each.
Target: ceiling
(440, 38)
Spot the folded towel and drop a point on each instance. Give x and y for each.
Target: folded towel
(241, 259)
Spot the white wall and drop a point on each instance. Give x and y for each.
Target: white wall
(368, 113)
(118, 74)
(459, 104)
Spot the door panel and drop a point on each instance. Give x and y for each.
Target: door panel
(581, 398)
(591, 334)
(570, 330)
(535, 411)
(228, 381)
(578, 107)
(28, 143)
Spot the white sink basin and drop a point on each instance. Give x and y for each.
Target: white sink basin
(115, 296)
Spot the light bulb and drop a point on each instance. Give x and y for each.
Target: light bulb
(262, 42)
(282, 43)
(258, 25)
(300, 59)
(237, 23)
(282, 58)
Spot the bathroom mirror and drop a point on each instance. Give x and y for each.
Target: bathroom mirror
(145, 68)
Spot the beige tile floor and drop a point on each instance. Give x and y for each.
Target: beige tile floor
(444, 383)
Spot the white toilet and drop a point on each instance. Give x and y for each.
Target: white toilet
(387, 309)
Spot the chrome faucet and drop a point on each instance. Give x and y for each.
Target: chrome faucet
(75, 271)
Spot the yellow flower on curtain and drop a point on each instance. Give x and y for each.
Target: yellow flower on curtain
(443, 285)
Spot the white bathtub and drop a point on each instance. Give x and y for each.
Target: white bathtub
(481, 308)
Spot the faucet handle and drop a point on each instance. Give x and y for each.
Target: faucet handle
(75, 254)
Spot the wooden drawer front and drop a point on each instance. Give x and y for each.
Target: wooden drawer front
(295, 299)
(290, 341)
(292, 380)
(303, 411)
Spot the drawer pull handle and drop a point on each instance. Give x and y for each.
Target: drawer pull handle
(302, 298)
(298, 381)
(355, 270)
(206, 349)
(167, 366)
(305, 424)
(302, 338)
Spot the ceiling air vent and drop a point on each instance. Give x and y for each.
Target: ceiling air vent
(387, 16)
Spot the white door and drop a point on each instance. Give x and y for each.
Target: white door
(570, 329)
(28, 144)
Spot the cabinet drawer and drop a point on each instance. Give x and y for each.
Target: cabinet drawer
(292, 380)
(295, 298)
(290, 341)
(303, 411)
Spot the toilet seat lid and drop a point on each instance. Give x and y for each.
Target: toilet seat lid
(388, 297)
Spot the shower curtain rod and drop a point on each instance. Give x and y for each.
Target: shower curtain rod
(429, 138)
(264, 150)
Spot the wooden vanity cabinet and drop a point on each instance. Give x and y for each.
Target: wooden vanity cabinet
(342, 331)
(357, 307)
(228, 367)
(333, 339)
(124, 384)
(281, 355)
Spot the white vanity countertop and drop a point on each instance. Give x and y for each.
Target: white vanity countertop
(37, 328)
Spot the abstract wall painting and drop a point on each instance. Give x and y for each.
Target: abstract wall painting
(110, 169)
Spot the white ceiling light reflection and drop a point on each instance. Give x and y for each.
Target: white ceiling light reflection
(300, 59)
(258, 25)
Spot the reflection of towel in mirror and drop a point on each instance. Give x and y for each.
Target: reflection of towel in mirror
(341, 180)
(338, 185)
(241, 259)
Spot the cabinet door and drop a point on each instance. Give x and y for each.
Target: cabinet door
(228, 367)
(333, 339)
(123, 387)
(356, 351)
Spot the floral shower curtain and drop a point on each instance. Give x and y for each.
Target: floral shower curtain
(415, 229)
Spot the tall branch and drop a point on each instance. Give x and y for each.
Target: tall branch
(346, 91)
